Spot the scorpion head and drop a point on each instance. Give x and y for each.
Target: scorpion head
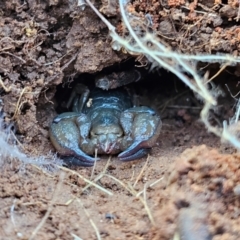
(107, 133)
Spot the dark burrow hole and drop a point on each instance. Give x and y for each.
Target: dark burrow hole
(162, 91)
(157, 89)
(153, 90)
(176, 104)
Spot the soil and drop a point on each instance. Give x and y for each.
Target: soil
(187, 188)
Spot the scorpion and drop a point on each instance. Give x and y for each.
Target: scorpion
(104, 120)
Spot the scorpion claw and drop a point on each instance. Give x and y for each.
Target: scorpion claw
(83, 157)
(139, 154)
(73, 161)
(146, 128)
(65, 137)
(135, 147)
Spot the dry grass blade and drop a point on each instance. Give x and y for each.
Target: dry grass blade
(90, 219)
(63, 67)
(144, 202)
(16, 139)
(18, 103)
(176, 236)
(87, 181)
(163, 106)
(130, 189)
(6, 89)
(12, 213)
(50, 207)
(151, 185)
(100, 175)
(13, 55)
(141, 172)
(144, 192)
(94, 166)
(220, 70)
(76, 237)
(40, 170)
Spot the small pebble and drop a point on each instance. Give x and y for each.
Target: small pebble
(236, 190)
(109, 216)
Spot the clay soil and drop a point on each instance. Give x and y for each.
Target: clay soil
(187, 188)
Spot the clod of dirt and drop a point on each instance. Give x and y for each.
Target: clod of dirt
(228, 11)
(94, 53)
(208, 182)
(109, 8)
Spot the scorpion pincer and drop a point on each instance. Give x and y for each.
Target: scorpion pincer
(106, 121)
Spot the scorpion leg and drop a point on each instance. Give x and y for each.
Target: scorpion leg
(144, 127)
(78, 97)
(65, 137)
(66, 115)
